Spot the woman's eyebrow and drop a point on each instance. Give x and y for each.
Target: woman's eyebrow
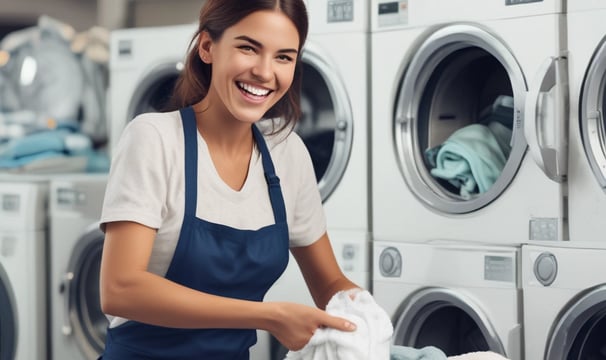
(259, 45)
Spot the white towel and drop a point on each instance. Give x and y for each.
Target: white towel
(478, 355)
(370, 340)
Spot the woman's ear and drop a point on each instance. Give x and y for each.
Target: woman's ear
(204, 47)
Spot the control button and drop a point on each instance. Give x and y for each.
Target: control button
(546, 268)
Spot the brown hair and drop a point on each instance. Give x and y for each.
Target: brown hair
(215, 17)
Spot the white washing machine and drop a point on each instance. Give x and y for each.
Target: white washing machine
(335, 129)
(587, 162)
(78, 325)
(469, 107)
(564, 287)
(459, 297)
(144, 65)
(23, 268)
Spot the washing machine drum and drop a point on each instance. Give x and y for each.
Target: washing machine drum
(8, 324)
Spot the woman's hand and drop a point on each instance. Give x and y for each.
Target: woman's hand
(295, 324)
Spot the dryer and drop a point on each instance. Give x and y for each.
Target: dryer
(459, 297)
(23, 267)
(78, 326)
(587, 169)
(564, 287)
(468, 120)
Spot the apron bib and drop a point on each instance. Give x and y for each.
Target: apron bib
(215, 259)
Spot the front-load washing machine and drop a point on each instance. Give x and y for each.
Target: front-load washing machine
(469, 108)
(78, 325)
(144, 65)
(458, 297)
(23, 268)
(564, 287)
(335, 129)
(587, 161)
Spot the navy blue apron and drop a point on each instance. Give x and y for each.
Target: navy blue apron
(215, 259)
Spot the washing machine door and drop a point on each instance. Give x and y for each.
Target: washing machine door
(461, 87)
(8, 317)
(579, 332)
(154, 91)
(326, 124)
(86, 322)
(447, 320)
(591, 114)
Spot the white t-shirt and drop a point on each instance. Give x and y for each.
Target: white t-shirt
(146, 185)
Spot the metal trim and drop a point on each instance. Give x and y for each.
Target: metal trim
(591, 114)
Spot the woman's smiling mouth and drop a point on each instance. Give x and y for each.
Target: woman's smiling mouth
(253, 90)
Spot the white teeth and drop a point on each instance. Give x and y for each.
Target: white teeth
(253, 90)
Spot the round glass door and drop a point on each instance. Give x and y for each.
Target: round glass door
(580, 331)
(326, 124)
(444, 319)
(458, 123)
(592, 109)
(88, 322)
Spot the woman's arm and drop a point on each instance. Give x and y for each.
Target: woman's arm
(130, 291)
(322, 274)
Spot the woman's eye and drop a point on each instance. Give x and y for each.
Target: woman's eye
(285, 58)
(246, 48)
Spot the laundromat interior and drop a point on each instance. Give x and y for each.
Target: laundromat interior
(459, 148)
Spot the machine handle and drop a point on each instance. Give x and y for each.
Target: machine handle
(546, 120)
(66, 285)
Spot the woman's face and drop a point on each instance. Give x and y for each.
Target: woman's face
(253, 64)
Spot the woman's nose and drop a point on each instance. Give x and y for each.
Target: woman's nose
(263, 69)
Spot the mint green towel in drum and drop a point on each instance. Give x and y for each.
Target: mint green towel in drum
(398, 352)
(472, 158)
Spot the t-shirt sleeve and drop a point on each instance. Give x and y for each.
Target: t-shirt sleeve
(137, 183)
(309, 222)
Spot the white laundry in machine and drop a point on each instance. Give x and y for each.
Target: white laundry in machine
(144, 66)
(335, 129)
(23, 267)
(564, 287)
(78, 326)
(587, 161)
(461, 92)
(458, 297)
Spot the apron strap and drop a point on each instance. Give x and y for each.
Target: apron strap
(190, 133)
(273, 181)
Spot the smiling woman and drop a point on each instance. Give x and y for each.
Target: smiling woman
(201, 206)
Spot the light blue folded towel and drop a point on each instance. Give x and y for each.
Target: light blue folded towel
(472, 158)
(398, 352)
